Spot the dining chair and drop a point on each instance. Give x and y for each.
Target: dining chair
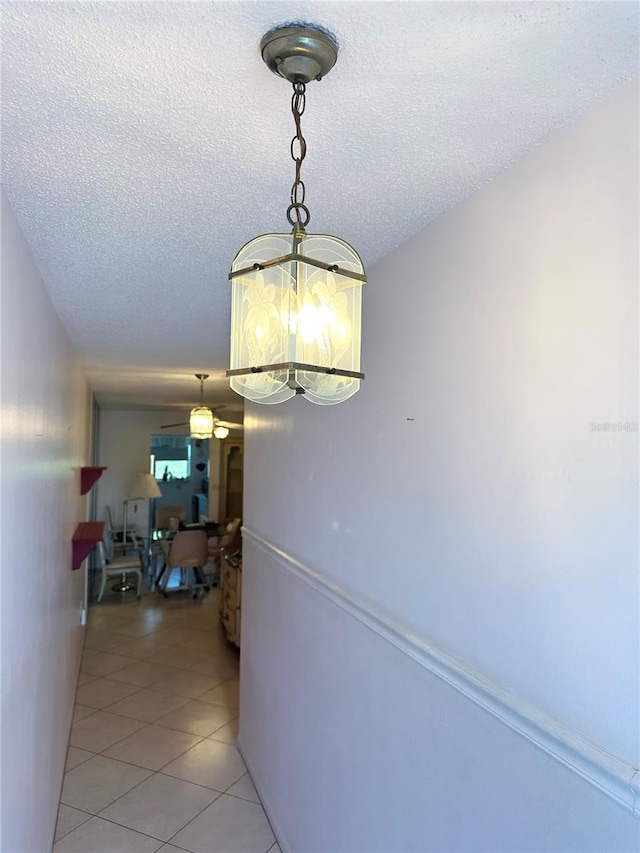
(117, 567)
(164, 513)
(187, 551)
(230, 542)
(117, 545)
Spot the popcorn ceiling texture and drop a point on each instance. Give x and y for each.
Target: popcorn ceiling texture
(144, 143)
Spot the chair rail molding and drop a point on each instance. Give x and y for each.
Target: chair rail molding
(613, 777)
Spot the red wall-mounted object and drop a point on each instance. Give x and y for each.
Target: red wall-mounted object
(84, 540)
(89, 476)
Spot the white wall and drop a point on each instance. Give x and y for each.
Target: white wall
(45, 431)
(441, 575)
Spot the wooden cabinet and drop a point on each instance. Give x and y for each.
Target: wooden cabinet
(231, 598)
(231, 479)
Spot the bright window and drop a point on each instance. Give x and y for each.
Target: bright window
(175, 469)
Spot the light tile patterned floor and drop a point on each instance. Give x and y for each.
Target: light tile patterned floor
(152, 762)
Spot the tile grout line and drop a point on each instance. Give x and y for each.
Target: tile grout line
(120, 825)
(220, 794)
(176, 649)
(88, 814)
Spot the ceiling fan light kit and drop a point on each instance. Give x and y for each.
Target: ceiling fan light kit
(296, 297)
(220, 432)
(201, 417)
(202, 420)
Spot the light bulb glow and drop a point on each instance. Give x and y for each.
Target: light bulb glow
(294, 313)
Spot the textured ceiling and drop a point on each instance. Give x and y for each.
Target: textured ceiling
(145, 142)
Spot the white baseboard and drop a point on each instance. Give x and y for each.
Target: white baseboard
(263, 793)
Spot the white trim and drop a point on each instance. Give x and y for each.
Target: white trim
(613, 777)
(264, 797)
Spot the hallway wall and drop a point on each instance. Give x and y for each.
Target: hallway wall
(440, 607)
(45, 429)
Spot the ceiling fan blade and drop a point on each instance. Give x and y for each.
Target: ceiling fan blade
(170, 426)
(229, 424)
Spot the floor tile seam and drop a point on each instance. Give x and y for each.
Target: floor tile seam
(183, 696)
(222, 794)
(105, 678)
(88, 814)
(107, 632)
(126, 826)
(153, 770)
(98, 635)
(107, 627)
(143, 724)
(238, 797)
(134, 636)
(137, 719)
(166, 772)
(226, 677)
(84, 761)
(143, 686)
(197, 734)
(193, 668)
(215, 800)
(105, 674)
(104, 614)
(164, 840)
(220, 705)
(86, 716)
(122, 826)
(136, 766)
(113, 642)
(115, 701)
(139, 659)
(183, 625)
(217, 740)
(182, 671)
(232, 720)
(183, 731)
(119, 761)
(109, 650)
(152, 663)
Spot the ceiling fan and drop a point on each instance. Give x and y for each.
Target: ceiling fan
(202, 421)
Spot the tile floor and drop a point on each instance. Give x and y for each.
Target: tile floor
(152, 762)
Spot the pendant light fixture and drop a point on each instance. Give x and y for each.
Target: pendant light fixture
(201, 417)
(296, 297)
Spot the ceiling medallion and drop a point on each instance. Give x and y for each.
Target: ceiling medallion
(296, 297)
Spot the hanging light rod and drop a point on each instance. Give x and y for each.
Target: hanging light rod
(296, 298)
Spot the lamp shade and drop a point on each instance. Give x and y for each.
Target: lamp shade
(201, 422)
(295, 319)
(144, 486)
(221, 432)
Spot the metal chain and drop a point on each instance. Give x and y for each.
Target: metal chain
(300, 211)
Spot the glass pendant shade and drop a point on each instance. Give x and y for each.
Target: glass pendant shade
(295, 319)
(201, 422)
(220, 432)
